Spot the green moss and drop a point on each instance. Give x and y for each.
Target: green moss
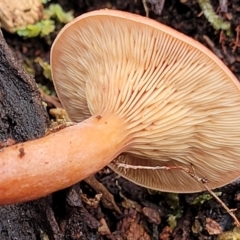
(42, 29)
(231, 235)
(55, 11)
(204, 197)
(45, 1)
(53, 14)
(45, 89)
(172, 221)
(215, 20)
(28, 66)
(45, 66)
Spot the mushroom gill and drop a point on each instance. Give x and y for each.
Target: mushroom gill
(179, 102)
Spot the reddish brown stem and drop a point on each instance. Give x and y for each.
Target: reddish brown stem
(36, 168)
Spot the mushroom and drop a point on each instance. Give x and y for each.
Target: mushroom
(143, 94)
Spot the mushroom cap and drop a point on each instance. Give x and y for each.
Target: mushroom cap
(181, 104)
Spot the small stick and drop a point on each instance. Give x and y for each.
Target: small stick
(156, 6)
(230, 212)
(237, 41)
(192, 173)
(145, 7)
(223, 5)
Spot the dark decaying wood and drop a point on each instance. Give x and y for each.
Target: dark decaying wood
(23, 116)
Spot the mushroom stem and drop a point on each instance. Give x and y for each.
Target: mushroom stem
(39, 167)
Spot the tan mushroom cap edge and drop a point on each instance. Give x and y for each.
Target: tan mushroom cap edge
(181, 104)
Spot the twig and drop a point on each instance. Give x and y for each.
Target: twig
(223, 5)
(237, 41)
(192, 173)
(156, 6)
(145, 7)
(230, 212)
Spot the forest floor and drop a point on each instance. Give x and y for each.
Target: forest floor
(136, 212)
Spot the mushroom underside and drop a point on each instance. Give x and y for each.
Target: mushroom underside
(179, 102)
